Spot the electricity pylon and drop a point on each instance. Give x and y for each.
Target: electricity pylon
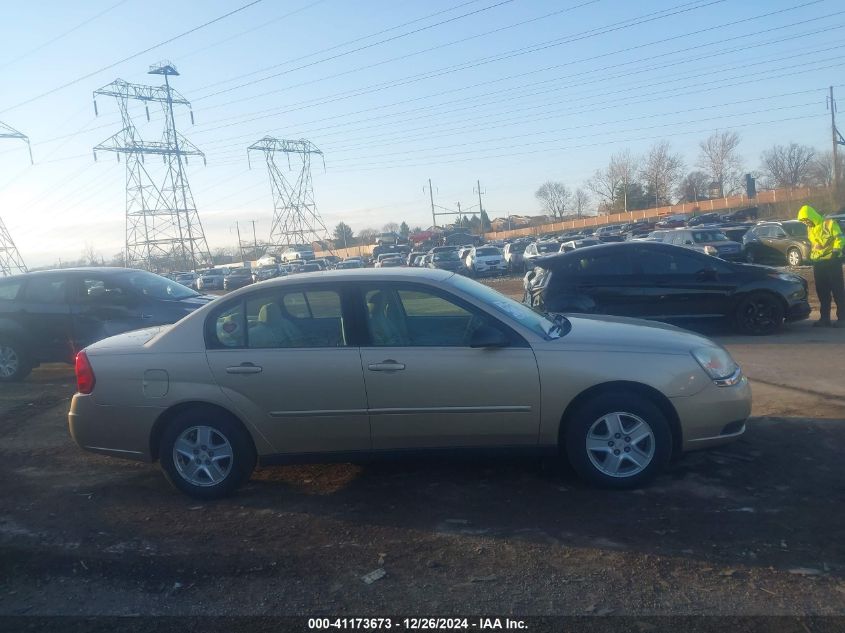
(295, 216)
(11, 261)
(163, 228)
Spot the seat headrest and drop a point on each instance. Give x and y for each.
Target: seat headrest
(270, 313)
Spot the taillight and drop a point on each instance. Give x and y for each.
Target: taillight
(85, 380)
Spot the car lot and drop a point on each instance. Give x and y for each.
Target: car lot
(755, 527)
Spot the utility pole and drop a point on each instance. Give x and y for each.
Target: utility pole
(431, 196)
(480, 207)
(837, 140)
(240, 244)
(254, 241)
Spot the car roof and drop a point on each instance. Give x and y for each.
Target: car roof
(550, 261)
(100, 270)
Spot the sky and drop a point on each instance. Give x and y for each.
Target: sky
(508, 93)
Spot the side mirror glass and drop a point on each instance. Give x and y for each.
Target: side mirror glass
(487, 336)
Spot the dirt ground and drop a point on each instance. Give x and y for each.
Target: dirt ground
(752, 528)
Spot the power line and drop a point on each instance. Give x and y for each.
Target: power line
(133, 56)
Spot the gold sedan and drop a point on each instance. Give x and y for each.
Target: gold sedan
(359, 364)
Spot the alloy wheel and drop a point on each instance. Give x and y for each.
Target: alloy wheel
(793, 257)
(203, 456)
(760, 314)
(9, 361)
(620, 444)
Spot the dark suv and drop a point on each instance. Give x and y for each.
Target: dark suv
(777, 242)
(48, 316)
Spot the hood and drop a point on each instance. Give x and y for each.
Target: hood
(809, 213)
(610, 333)
(193, 302)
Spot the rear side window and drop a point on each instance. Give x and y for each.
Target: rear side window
(600, 264)
(45, 290)
(9, 289)
(672, 263)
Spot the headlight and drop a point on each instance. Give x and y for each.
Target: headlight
(716, 362)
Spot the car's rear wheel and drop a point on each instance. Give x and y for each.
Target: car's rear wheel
(14, 362)
(760, 313)
(618, 440)
(793, 257)
(206, 454)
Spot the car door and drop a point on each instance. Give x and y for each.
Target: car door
(282, 356)
(427, 388)
(605, 277)
(778, 243)
(45, 314)
(103, 305)
(680, 284)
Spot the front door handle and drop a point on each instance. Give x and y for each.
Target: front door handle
(244, 368)
(388, 365)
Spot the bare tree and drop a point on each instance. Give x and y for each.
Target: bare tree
(89, 255)
(720, 159)
(821, 169)
(605, 185)
(661, 171)
(580, 200)
(390, 227)
(626, 167)
(693, 187)
(367, 236)
(555, 197)
(788, 165)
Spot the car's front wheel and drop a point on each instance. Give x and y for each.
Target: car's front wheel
(206, 454)
(14, 362)
(618, 440)
(759, 313)
(793, 257)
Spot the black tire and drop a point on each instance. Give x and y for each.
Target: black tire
(794, 254)
(759, 314)
(589, 415)
(239, 468)
(15, 362)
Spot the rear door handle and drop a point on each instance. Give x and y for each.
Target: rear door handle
(244, 368)
(388, 365)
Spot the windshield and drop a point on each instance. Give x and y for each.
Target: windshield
(548, 247)
(507, 306)
(518, 247)
(158, 287)
(485, 252)
(709, 236)
(446, 256)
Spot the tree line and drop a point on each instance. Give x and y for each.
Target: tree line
(659, 177)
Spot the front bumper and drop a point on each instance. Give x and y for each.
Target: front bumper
(798, 311)
(714, 416)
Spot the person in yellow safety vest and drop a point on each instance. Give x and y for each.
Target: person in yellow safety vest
(826, 256)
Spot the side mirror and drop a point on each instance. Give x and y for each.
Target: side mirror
(487, 336)
(690, 242)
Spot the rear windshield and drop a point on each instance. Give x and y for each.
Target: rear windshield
(518, 247)
(709, 236)
(446, 256)
(483, 252)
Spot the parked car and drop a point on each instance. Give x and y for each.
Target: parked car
(263, 273)
(740, 215)
(212, 279)
(389, 260)
(50, 315)
(573, 244)
(296, 252)
(446, 260)
(777, 243)
(349, 264)
(535, 250)
(415, 360)
(513, 253)
(412, 256)
(637, 229)
(238, 278)
(609, 233)
(486, 260)
(652, 280)
(736, 232)
(189, 280)
(419, 261)
(704, 218)
(672, 221)
(706, 240)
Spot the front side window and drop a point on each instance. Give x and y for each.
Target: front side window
(45, 290)
(398, 317)
(100, 290)
(157, 287)
(9, 289)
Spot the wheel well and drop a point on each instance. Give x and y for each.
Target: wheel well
(167, 416)
(615, 387)
(763, 291)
